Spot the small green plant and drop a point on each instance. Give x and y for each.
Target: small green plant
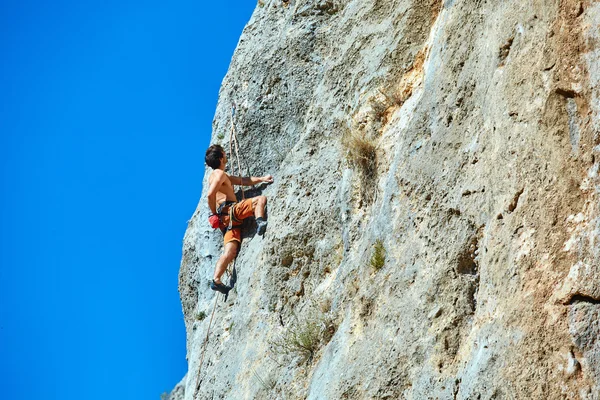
(200, 316)
(378, 256)
(164, 396)
(220, 136)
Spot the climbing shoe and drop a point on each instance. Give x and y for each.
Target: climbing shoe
(261, 226)
(219, 287)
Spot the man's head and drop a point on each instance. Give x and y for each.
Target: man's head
(213, 157)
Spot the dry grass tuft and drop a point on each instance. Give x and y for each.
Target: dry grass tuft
(362, 156)
(267, 383)
(362, 153)
(303, 336)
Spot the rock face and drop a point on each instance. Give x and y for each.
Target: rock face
(434, 226)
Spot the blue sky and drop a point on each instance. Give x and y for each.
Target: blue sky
(105, 114)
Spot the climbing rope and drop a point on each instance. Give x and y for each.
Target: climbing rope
(233, 144)
(205, 345)
(204, 349)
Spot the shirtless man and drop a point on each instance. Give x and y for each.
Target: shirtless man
(221, 200)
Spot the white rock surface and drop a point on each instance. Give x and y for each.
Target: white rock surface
(486, 200)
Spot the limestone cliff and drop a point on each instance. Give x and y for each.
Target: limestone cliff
(434, 223)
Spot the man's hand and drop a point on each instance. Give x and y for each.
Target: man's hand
(214, 221)
(267, 179)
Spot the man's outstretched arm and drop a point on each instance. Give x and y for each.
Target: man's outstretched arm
(250, 180)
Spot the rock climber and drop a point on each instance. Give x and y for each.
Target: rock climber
(227, 213)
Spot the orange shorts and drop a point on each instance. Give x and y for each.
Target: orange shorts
(241, 210)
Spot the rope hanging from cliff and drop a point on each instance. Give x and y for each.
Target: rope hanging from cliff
(233, 144)
(204, 349)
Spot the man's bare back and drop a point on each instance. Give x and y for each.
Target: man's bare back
(225, 190)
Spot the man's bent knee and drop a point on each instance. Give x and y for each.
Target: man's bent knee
(231, 249)
(259, 201)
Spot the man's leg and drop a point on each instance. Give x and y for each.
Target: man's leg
(229, 253)
(258, 206)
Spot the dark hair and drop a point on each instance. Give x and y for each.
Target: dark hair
(214, 155)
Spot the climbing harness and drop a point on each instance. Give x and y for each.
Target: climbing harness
(230, 213)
